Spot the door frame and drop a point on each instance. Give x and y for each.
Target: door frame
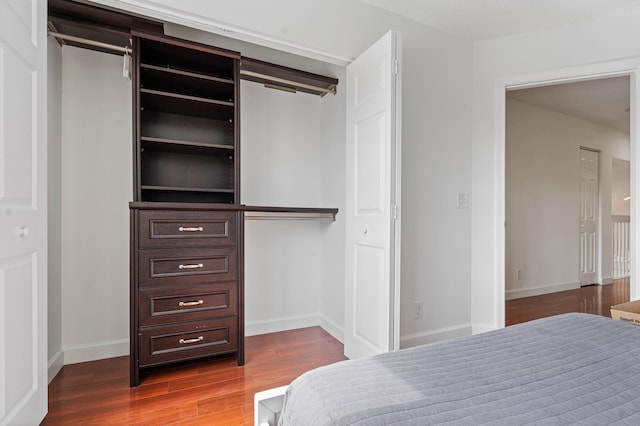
(629, 68)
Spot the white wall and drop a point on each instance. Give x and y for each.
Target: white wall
(621, 189)
(96, 190)
(607, 45)
(436, 165)
(54, 208)
(543, 194)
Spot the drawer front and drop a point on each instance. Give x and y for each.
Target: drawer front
(166, 228)
(187, 266)
(162, 305)
(190, 340)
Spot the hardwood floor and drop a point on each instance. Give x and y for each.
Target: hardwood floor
(218, 392)
(212, 392)
(593, 299)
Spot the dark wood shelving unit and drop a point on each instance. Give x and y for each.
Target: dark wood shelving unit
(187, 140)
(186, 225)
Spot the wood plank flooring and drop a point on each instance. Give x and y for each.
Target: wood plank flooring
(595, 299)
(212, 392)
(218, 392)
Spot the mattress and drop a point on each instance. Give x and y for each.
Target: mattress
(563, 370)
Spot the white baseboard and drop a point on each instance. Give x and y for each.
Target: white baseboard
(55, 364)
(537, 291)
(74, 354)
(252, 328)
(607, 280)
(447, 333)
(332, 328)
(481, 328)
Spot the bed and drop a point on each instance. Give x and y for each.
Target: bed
(568, 369)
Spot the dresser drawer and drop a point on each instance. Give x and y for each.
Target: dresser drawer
(162, 305)
(187, 340)
(169, 228)
(187, 266)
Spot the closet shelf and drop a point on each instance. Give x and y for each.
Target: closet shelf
(173, 103)
(266, 213)
(185, 73)
(186, 97)
(185, 83)
(186, 189)
(250, 212)
(184, 146)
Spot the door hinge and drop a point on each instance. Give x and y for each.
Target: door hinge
(394, 212)
(395, 67)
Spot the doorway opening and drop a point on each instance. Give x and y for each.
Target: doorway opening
(558, 195)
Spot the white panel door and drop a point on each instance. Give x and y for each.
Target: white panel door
(372, 205)
(23, 197)
(589, 206)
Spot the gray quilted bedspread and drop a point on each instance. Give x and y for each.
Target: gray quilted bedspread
(563, 370)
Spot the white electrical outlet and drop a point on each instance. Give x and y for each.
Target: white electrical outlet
(419, 309)
(463, 200)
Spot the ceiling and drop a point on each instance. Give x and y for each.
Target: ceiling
(485, 19)
(605, 101)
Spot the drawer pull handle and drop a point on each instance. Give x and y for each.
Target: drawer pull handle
(188, 341)
(191, 229)
(191, 266)
(193, 303)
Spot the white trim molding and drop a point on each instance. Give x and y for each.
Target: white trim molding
(177, 16)
(332, 328)
(438, 335)
(253, 328)
(55, 364)
(542, 289)
(91, 352)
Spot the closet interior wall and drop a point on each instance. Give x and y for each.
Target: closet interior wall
(95, 190)
(290, 264)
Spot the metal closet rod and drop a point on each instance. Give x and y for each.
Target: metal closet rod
(122, 49)
(330, 89)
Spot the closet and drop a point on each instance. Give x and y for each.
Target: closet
(186, 219)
